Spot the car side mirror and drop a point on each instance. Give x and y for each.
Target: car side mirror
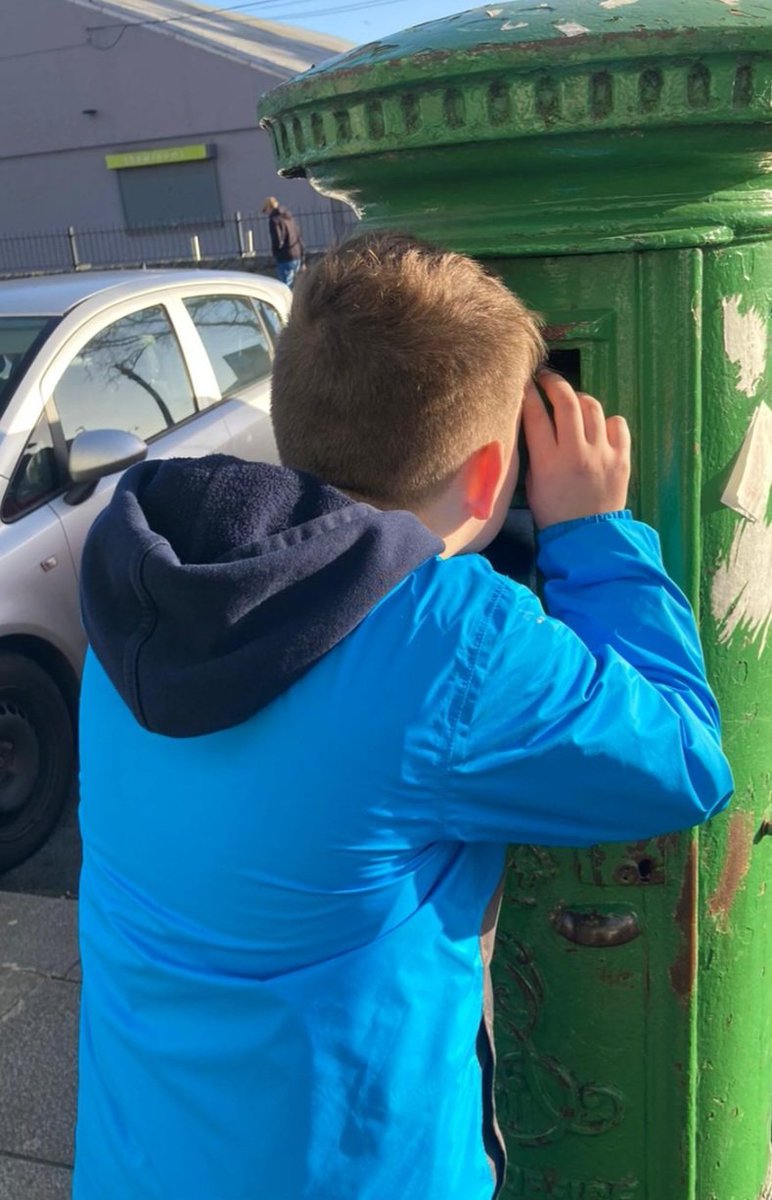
(96, 453)
(99, 452)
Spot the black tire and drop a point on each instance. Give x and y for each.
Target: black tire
(37, 757)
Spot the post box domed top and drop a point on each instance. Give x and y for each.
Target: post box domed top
(525, 68)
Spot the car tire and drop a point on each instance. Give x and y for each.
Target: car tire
(36, 757)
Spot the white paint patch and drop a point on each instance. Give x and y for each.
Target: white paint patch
(745, 343)
(748, 487)
(741, 595)
(620, 3)
(508, 25)
(570, 28)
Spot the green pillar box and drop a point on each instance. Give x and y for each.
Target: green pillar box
(612, 160)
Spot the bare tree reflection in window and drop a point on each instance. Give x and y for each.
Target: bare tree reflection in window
(130, 376)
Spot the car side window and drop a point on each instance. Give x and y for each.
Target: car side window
(130, 376)
(37, 476)
(233, 338)
(18, 336)
(271, 317)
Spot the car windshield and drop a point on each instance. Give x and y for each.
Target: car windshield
(18, 338)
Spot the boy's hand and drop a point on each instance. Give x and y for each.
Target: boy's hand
(580, 465)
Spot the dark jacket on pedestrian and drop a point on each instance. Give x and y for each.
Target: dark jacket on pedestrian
(286, 242)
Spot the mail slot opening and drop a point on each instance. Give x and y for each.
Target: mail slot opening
(568, 363)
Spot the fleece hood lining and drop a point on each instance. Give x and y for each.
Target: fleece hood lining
(209, 586)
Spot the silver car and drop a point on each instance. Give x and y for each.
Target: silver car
(97, 371)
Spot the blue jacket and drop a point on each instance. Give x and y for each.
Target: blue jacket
(305, 742)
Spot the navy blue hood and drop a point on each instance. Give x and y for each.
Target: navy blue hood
(210, 585)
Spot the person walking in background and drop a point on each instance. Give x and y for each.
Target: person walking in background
(286, 243)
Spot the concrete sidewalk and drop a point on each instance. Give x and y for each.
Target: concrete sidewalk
(39, 986)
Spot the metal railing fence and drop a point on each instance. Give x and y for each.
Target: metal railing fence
(238, 238)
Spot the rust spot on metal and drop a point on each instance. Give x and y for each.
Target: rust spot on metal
(556, 333)
(374, 48)
(736, 863)
(684, 969)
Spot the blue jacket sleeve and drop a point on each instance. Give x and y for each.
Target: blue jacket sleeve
(595, 722)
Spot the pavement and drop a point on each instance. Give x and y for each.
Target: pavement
(39, 991)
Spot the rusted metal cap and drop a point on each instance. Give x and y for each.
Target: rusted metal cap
(529, 69)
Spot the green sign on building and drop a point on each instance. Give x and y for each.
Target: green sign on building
(159, 157)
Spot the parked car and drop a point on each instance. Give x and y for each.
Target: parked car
(97, 371)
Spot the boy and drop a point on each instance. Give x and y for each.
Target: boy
(312, 721)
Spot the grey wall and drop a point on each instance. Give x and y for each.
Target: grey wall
(149, 89)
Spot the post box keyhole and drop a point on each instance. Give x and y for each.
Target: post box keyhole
(640, 871)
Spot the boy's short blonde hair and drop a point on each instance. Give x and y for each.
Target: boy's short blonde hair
(399, 360)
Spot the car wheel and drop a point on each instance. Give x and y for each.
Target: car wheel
(36, 757)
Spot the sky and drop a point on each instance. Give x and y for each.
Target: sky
(363, 22)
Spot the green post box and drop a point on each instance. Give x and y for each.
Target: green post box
(612, 159)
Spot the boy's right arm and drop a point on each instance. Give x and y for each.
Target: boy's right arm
(598, 725)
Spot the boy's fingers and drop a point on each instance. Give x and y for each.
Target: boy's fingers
(618, 434)
(539, 431)
(565, 405)
(594, 418)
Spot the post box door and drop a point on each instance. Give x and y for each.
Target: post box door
(593, 968)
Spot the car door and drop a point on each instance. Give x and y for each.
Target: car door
(239, 347)
(128, 373)
(38, 597)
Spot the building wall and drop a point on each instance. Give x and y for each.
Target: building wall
(148, 89)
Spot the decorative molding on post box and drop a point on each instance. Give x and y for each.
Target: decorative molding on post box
(716, 88)
(597, 136)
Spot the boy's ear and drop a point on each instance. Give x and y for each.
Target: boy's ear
(480, 479)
